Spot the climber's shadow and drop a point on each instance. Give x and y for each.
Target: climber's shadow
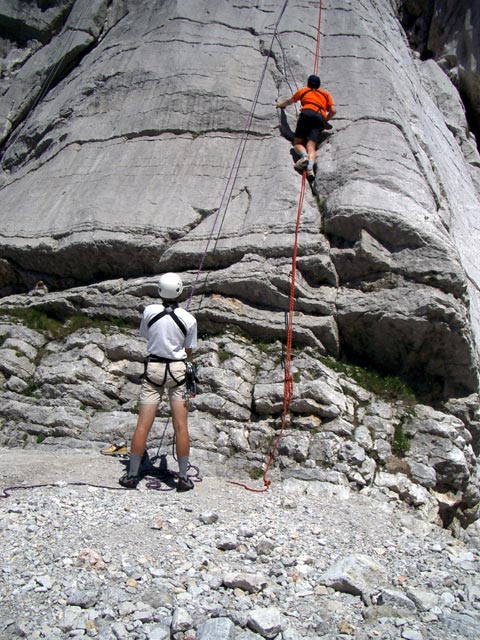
(285, 129)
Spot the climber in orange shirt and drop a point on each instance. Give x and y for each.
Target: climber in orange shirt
(317, 109)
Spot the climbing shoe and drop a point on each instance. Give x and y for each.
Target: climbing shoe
(301, 163)
(116, 450)
(328, 126)
(184, 484)
(129, 482)
(310, 175)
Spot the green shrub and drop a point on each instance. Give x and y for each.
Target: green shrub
(223, 355)
(385, 386)
(31, 390)
(255, 473)
(58, 328)
(401, 441)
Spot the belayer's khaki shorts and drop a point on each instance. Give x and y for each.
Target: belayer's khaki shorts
(161, 378)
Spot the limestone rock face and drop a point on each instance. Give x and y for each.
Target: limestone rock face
(81, 391)
(142, 137)
(448, 30)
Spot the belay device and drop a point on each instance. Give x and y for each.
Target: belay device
(190, 380)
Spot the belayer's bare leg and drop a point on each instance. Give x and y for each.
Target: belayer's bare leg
(179, 409)
(145, 420)
(138, 445)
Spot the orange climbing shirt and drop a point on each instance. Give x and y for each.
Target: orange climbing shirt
(315, 99)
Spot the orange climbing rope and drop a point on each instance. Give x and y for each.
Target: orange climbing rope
(287, 378)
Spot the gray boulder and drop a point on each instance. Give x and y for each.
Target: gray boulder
(356, 574)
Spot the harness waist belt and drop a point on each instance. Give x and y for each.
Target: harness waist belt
(153, 358)
(313, 107)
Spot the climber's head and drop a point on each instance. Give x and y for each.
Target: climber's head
(170, 286)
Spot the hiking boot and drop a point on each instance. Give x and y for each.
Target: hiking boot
(184, 484)
(328, 126)
(301, 163)
(116, 450)
(129, 482)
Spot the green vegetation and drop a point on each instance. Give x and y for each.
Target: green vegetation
(40, 438)
(386, 386)
(321, 202)
(58, 328)
(271, 349)
(401, 441)
(31, 390)
(255, 473)
(223, 355)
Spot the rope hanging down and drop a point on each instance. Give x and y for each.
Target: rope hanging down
(230, 184)
(233, 174)
(287, 379)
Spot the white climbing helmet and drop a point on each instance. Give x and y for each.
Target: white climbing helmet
(170, 286)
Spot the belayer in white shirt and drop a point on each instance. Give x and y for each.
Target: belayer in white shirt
(171, 334)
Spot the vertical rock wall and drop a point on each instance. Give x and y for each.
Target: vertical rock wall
(121, 140)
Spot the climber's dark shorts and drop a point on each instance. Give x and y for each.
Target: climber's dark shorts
(310, 124)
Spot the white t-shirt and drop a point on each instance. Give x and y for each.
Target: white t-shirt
(165, 338)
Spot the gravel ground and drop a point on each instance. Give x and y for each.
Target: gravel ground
(303, 560)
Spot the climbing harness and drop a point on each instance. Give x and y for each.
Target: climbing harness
(168, 372)
(169, 311)
(312, 105)
(191, 380)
